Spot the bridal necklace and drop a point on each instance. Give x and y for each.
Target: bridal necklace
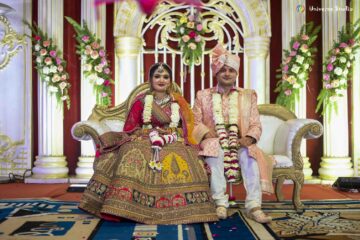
(162, 101)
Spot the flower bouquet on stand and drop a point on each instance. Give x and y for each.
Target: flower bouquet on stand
(50, 65)
(95, 64)
(189, 30)
(337, 67)
(296, 66)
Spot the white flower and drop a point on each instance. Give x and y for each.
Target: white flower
(175, 116)
(342, 81)
(98, 68)
(301, 76)
(308, 53)
(92, 78)
(338, 71)
(147, 108)
(348, 50)
(295, 68)
(46, 70)
(299, 59)
(37, 47)
(87, 67)
(218, 117)
(53, 69)
(233, 108)
(351, 56)
(335, 83)
(342, 60)
(62, 85)
(38, 59)
(345, 72)
(99, 81)
(47, 78)
(182, 30)
(306, 66)
(56, 78)
(296, 85)
(64, 98)
(348, 64)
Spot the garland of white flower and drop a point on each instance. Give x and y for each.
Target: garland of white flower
(228, 142)
(157, 140)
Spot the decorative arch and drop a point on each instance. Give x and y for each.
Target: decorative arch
(247, 21)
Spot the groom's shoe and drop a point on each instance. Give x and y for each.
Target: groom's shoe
(258, 215)
(221, 212)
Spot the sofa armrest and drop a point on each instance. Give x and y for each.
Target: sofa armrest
(290, 134)
(87, 130)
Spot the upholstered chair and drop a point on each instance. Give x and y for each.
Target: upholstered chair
(281, 138)
(282, 135)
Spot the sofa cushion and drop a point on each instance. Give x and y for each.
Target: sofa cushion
(282, 161)
(114, 124)
(270, 125)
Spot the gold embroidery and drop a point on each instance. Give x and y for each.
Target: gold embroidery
(175, 169)
(133, 163)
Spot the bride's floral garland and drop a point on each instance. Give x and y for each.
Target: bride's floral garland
(157, 140)
(228, 140)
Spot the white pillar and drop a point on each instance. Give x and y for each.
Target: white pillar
(256, 50)
(336, 161)
(355, 14)
(51, 163)
(292, 21)
(97, 25)
(126, 70)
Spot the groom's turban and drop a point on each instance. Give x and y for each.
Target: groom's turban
(221, 57)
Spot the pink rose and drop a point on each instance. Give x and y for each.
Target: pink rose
(288, 92)
(198, 38)
(332, 59)
(60, 68)
(326, 77)
(104, 94)
(46, 43)
(292, 53)
(37, 38)
(107, 71)
(286, 68)
(95, 45)
(296, 45)
(53, 53)
(102, 53)
(192, 34)
(199, 27)
(85, 38)
(191, 18)
(329, 67)
(43, 52)
(351, 42)
(343, 45)
(327, 85)
(106, 83)
(305, 37)
(336, 51)
(288, 59)
(48, 61)
(58, 61)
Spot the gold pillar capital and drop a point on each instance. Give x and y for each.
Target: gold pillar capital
(257, 46)
(127, 46)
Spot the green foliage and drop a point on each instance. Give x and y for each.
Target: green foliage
(95, 64)
(297, 62)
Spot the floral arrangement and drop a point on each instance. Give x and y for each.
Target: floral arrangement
(228, 139)
(96, 66)
(157, 140)
(337, 66)
(50, 66)
(296, 66)
(189, 29)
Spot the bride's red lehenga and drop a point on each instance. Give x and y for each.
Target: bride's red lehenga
(124, 186)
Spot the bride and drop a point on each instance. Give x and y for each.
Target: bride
(150, 172)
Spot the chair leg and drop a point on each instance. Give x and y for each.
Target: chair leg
(296, 195)
(278, 189)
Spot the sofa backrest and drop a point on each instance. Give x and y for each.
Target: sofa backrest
(270, 125)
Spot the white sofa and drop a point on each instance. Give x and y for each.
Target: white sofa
(282, 135)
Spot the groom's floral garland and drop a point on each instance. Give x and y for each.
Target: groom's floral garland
(157, 140)
(228, 140)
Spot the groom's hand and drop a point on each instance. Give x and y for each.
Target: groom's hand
(246, 141)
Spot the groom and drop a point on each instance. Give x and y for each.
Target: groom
(227, 125)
